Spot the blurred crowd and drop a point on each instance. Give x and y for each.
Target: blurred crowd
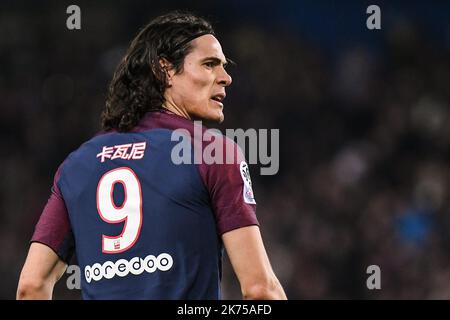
(364, 145)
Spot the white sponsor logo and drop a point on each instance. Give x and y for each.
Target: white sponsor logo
(248, 191)
(123, 267)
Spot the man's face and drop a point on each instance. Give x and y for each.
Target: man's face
(199, 89)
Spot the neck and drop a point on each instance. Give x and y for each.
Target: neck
(172, 107)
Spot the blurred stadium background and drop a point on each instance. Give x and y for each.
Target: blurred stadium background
(363, 117)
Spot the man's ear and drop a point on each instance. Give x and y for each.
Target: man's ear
(168, 69)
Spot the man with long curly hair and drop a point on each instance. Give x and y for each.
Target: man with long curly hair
(143, 227)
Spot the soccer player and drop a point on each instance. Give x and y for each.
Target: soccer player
(142, 226)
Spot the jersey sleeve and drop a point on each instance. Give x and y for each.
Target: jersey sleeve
(53, 228)
(230, 189)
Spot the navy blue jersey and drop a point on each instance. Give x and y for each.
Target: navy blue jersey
(142, 226)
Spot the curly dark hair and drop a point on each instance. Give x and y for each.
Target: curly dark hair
(139, 82)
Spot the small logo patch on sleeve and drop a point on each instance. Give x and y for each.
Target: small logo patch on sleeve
(248, 191)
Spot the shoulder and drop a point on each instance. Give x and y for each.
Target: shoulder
(224, 166)
(219, 149)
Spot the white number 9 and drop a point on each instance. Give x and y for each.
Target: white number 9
(130, 211)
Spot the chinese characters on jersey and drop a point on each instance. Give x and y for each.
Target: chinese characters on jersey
(129, 151)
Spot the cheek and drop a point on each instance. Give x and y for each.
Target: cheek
(202, 84)
(192, 89)
(198, 91)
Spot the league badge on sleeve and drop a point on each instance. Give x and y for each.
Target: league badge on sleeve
(248, 191)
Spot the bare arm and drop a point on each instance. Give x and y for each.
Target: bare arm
(41, 271)
(249, 259)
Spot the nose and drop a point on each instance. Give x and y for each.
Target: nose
(224, 78)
